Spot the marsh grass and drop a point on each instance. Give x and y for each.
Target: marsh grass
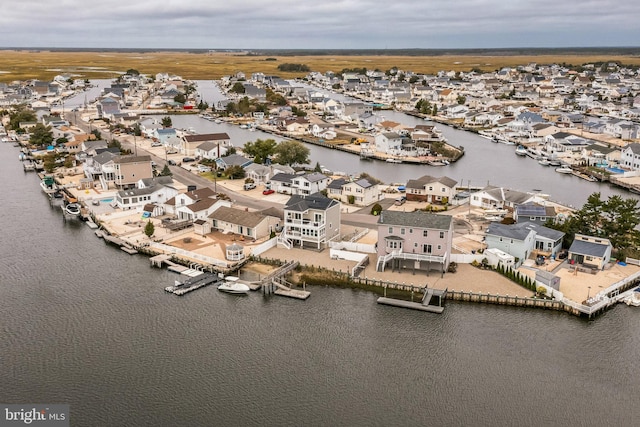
(44, 65)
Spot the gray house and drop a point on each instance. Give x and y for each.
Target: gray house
(523, 239)
(590, 251)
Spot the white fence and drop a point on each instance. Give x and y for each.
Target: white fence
(349, 256)
(633, 261)
(466, 258)
(353, 246)
(263, 247)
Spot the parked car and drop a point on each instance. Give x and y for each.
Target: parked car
(249, 186)
(188, 159)
(204, 168)
(156, 144)
(267, 192)
(400, 200)
(172, 163)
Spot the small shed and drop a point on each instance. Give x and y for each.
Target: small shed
(235, 252)
(201, 227)
(549, 279)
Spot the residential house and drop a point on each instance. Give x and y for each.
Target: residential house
(360, 192)
(260, 174)
(249, 225)
(492, 197)
(131, 169)
(523, 240)
(311, 220)
(414, 240)
(195, 204)
(430, 189)
(232, 160)
(590, 251)
(192, 142)
(630, 156)
(534, 212)
(151, 191)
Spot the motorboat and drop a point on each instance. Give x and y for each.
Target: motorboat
(72, 209)
(231, 285)
(634, 298)
(390, 160)
(521, 150)
(564, 169)
(543, 161)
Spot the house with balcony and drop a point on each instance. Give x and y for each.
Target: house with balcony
(414, 240)
(492, 197)
(524, 239)
(431, 189)
(129, 170)
(590, 251)
(287, 183)
(310, 221)
(249, 225)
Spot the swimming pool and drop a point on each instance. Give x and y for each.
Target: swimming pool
(615, 170)
(106, 200)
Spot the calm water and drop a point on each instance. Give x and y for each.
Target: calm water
(85, 324)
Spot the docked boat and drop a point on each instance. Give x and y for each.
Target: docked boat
(634, 298)
(48, 185)
(232, 286)
(393, 160)
(521, 150)
(555, 162)
(72, 209)
(438, 162)
(564, 169)
(543, 161)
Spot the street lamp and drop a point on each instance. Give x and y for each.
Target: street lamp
(588, 292)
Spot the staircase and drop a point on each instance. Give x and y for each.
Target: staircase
(283, 241)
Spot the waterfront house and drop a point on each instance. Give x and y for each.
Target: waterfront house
(310, 221)
(561, 142)
(534, 212)
(130, 169)
(388, 142)
(250, 225)
(594, 252)
(210, 150)
(492, 197)
(154, 191)
(191, 143)
(92, 147)
(195, 204)
(360, 192)
(431, 190)
(630, 156)
(260, 174)
(524, 239)
(414, 240)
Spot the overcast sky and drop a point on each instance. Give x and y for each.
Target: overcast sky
(300, 24)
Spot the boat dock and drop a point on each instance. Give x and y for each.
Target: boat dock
(275, 283)
(193, 283)
(124, 246)
(424, 305)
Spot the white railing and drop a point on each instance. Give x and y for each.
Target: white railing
(283, 240)
(632, 261)
(359, 235)
(603, 293)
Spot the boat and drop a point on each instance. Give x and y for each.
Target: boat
(555, 162)
(634, 298)
(72, 209)
(393, 161)
(438, 162)
(232, 286)
(521, 150)
(543, 161)
(564, 169)
(48, 185)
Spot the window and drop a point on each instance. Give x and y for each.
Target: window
(390, 230)
(426, 249)
(402, 231)
(410, 230)
(442, 234)
(439, 247)
(425, 233)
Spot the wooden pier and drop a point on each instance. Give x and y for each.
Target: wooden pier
(425, 305)
(505, 300)
(193, 283)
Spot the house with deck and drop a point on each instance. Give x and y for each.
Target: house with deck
(310, 221)
(594, 252)
(360, 192)
(249, 225)
(414, 241)
(522, 240)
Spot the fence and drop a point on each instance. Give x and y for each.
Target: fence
(466, 258)
(263, 247)
(353, 246)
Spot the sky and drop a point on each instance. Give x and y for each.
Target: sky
(329, 24)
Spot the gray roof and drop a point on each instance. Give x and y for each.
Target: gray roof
(588, 248)
(314, 201)
(634, 147)
(426, 179)
(534, 209)
(283, 177)
(237, 216)
(337, 183)
(132, 159)
(315, 177)
(207, 137)
(521, 230)
(415, 219)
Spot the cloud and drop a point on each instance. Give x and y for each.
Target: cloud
(328, 24)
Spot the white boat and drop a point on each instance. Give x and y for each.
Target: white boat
(72, 209)
(564, 169)
(634, 298)
(232, 286)
(521, 150)
(393, 161)
(543, 161)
